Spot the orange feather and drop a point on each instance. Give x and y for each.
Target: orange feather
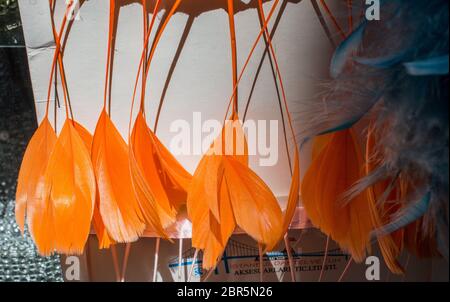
(255, 207)
(71, 182)
(160, 181)
(319, 143)
(332, 173)
(143, 149)
(103, 238)
(225, 192)
(119, 208)
(31, 192)
(175, 179)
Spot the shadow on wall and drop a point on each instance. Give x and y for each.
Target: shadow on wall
(194, 8)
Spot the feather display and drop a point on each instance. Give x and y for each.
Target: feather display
(396, 72)
(389, 78)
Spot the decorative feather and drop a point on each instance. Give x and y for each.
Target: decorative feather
(117, 202)
(382, 62)
(410, 95)
(144, 154)
(103, 238)
(331, 174)
(407, 216)
(345, 50)
(432, 66)
(31, 195)
(255, 208)
(71, 191)
(239, 197)
(160, 182)
(174, 177)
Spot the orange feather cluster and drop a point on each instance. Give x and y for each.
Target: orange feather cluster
(226, 193)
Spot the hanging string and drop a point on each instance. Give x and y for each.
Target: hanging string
(108, 73)
(255, 44)
(145, 31)
(57, 58)
(333, 19)
(350, 15)
(324, 259)
(347, 267)
(155, 43)
(52, 4)
(283, 92)
(57, 104)
(233, 52)
(144, 56)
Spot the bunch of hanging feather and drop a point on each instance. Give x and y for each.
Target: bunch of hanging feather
(68, 181)
(391, 75)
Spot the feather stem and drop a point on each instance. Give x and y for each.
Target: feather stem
(155, 262)
(180, 258)
(125, 261)
(324, 259)
(115, 262)
(261, 262)
(191, 270)
(290, 258)
(347, 267)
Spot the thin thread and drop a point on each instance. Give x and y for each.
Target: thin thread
(333, 19)
(349, 263)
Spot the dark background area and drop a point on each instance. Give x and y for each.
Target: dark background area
(17, 117)
(19, 260)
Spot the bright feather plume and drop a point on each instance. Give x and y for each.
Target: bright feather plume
(159, 179)
(71, 191)
(332, 173)
(31, 195)
(103, 238)
(118, 206)
(225, 192)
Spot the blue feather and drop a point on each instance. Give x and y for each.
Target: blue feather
(344, 50)
(382, 62)
(410, 214)
(427, 67)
